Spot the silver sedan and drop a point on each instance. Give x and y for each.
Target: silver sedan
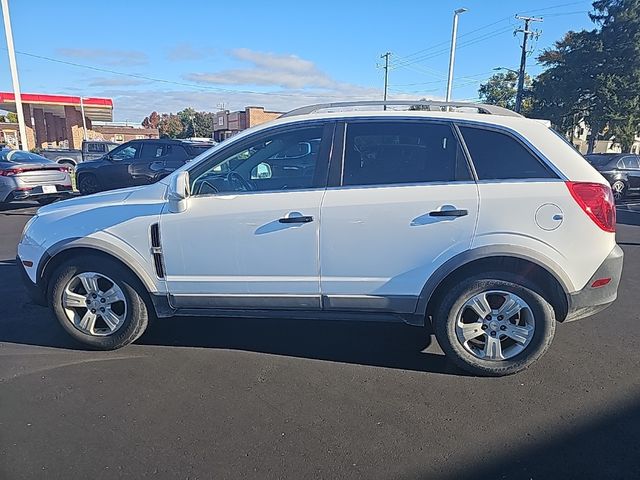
(27, 176)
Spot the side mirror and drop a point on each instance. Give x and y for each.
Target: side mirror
(179, 192)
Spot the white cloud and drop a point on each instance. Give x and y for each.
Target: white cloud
(106, 56)
(268, 69)
(116, 82)
(289, 81)
(134, 105)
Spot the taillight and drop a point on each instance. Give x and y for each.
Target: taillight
(597, 202)
(10, 172)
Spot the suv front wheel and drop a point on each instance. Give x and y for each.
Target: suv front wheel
(493, 327)
(97, 301)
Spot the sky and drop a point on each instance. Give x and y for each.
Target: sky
(280, 54)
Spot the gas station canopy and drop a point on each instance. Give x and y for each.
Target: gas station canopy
(95, 109)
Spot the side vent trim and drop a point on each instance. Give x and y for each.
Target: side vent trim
(156, 250)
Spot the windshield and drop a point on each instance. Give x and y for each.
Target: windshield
(19, 156)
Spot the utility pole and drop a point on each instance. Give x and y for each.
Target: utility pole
(523, 57)
(386, 75)
(14, 75)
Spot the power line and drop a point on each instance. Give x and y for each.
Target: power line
(446, 42)
(412, 56)
(469, 42)
(553, 7)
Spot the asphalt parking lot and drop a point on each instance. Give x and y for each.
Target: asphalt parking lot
(215, 398)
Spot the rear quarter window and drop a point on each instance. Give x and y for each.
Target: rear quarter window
(498, 156)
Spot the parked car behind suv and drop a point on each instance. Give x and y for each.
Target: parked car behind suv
(622, 170)
(485, 227)
(91, 150)
(138, 162)
(27, 176)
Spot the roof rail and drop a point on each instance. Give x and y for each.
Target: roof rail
(428, 104)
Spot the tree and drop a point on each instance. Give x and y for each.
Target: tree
(501, 89)
(571, 89)
(592, 76)
(12, 117)
(152, 121)
(170, 126)
(187, 117)
(620, 32)
(186, 123)
(203, 124)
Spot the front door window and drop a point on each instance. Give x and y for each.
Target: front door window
(278, 162)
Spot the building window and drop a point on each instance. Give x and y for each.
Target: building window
(220, 121)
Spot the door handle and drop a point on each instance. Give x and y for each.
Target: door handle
(297, 219)
(449, 213)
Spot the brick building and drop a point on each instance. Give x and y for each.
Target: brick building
(226, 123)
(124, 133)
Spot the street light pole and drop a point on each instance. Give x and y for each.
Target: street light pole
(452, 55)
(14, 75)
(386, 75)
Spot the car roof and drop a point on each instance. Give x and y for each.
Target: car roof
(511, 122)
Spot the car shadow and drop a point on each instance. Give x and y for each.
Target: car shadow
(11, 208)
(376, 344)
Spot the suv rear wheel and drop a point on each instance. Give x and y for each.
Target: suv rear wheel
(97, 301)
(493, 327)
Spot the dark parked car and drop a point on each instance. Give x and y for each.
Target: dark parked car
(622, 170)
(138, 162)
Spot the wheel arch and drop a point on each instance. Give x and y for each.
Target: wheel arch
(543, 274)
(66, 160)
(59, 253)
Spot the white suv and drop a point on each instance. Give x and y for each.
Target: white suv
(486, 226)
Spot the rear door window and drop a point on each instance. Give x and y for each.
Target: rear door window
(387, 153)
(631, 163)
(498, 156)
(151, 151)
(96, 148)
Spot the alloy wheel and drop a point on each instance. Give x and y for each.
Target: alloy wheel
(495, 325)
(94, 304)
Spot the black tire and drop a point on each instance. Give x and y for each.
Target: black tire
(619, 189)
(137, 313)
(445, 317)
(88, 184)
